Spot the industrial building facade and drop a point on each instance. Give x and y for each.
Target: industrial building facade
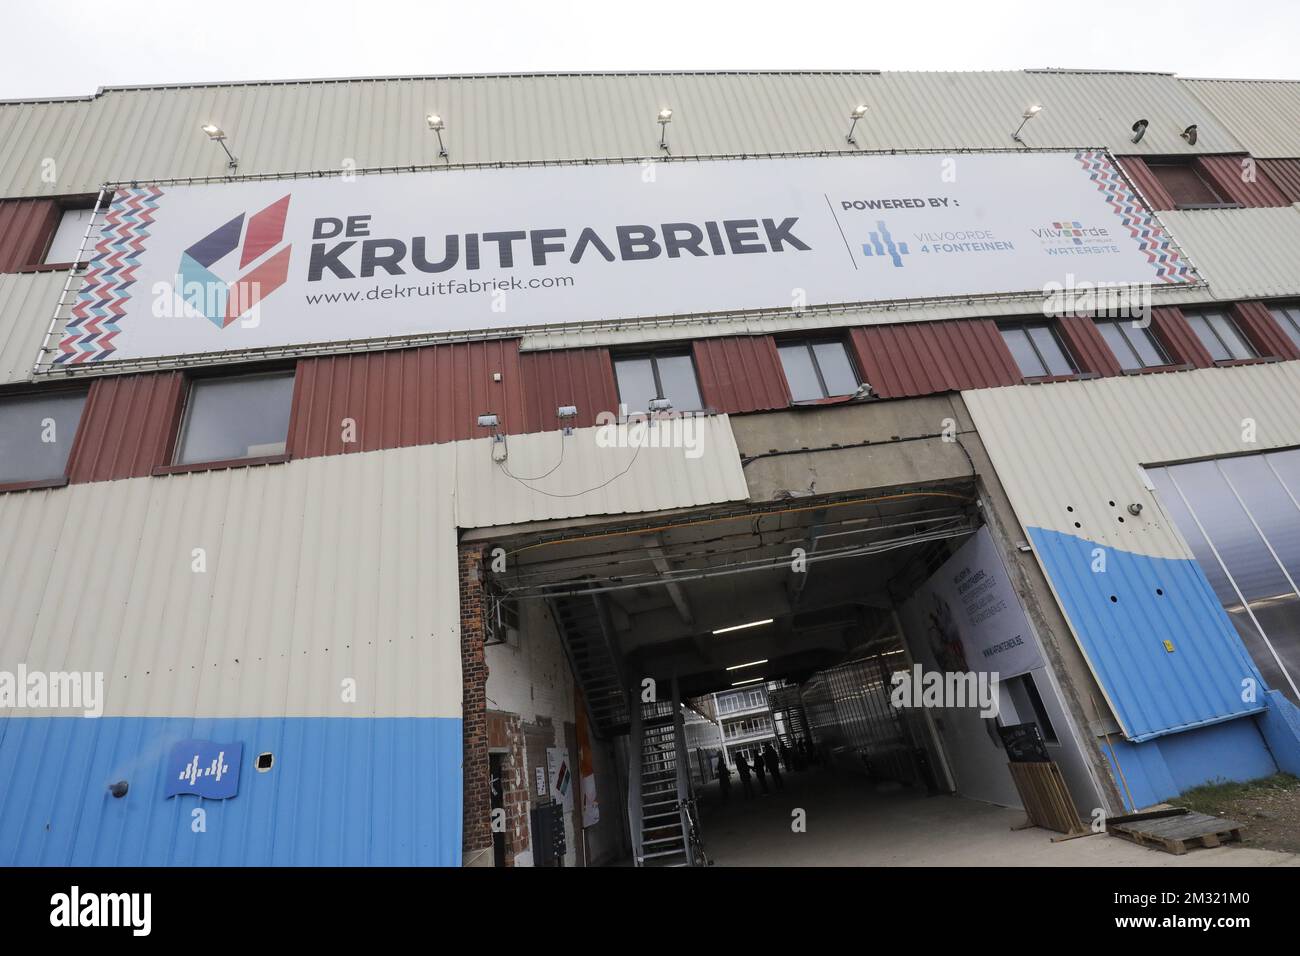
(432, 563)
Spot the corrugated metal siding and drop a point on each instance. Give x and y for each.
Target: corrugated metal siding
(1285, 174)
(1148, 187)
(1179, 339)
(1064, 452)
(280, 127)
(581, 377)
(583, 478)
(1262, 329)
(1227, 173)
(405, 397)
(26, 226)
(1259, 113)
(741, 374)
(26, 305)
(1241, 253)
(126, 427)
(923, 358)
(1087, 346)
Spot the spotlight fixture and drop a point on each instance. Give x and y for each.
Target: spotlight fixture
(1028, 114)
(741, 627)
(658, 405)
(665, 117)
(1189, 134)
(566, 414)
(1135, 508)
(1139, 130)
(855, 114)
(218, 136)
(435, 123)
(492, 422)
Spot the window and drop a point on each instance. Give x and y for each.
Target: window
(1136, 347)
(1220, 336)
(36, 433)
(66, 244)
(817, 369)
(1038, 350)
(1288, 316)
(644, 378)
(1186, 186)
(226, 419)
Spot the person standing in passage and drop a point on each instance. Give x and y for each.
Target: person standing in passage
(724, 777)
(787, 757)
(743, 767)
(759, 772)
(769, 757)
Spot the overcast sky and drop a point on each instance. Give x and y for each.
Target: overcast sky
(73, 47)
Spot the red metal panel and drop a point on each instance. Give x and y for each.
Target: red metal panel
(126, 427)
(26, 226)
(1226, 173)
(1263, 331)
(1179, 339)
(741, 374)
(1146, 182)
(1285, 174)
(1088, 347)
(922, 358)
(405, 397)
(581, 377)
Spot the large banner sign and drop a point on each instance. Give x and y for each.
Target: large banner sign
(186, 269)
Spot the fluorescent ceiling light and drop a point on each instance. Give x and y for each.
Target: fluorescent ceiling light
(741, 627)
(736, 667)
(750, 681)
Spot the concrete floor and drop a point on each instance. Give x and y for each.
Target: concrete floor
(852, 823)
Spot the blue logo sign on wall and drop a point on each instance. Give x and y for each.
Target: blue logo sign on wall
(204, 768)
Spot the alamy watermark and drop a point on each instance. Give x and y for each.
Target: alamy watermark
(658, 430)
(53, 690)
(1103, 300)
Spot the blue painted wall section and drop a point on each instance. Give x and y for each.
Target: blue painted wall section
(1280, 725)
(343, 791)
(1123, 615)
(1167, 766)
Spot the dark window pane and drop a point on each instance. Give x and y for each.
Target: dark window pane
(36, 435)
(800, 373)
(636, 383)
(1236, 343)
(1050, 349)
(1124, 352)
(1201, 326)
(1017, 340)
(1184, 184)
(837, 370)
(244, 417)
(1146, 345)
(677, 378)
(1289, 318)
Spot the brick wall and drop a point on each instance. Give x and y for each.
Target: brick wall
(506, 735)
(477, 823)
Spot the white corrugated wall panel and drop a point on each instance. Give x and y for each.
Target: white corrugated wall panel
(27, 303)
(1261, 114)
(1079, 444)
(140, 134)
(1241, 253)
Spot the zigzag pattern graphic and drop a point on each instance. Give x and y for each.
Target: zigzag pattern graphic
(101, 301)
(1151, 237)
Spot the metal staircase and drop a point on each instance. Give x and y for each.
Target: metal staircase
(589, 643)
(663, 831)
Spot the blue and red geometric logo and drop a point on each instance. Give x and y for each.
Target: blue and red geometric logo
(222, 301)
(883, 244)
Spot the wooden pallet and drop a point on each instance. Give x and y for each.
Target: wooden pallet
(1175, 831)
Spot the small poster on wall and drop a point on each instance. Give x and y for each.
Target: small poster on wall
(561, 775)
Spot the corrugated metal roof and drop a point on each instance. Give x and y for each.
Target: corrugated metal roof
(1285, 173)
(1239, 181)
(126, 427)
(1241, 253)
(1068, 456)
(27, 303)
(149, 134)
(1261, 114)
(581, 377)
(740, 374)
